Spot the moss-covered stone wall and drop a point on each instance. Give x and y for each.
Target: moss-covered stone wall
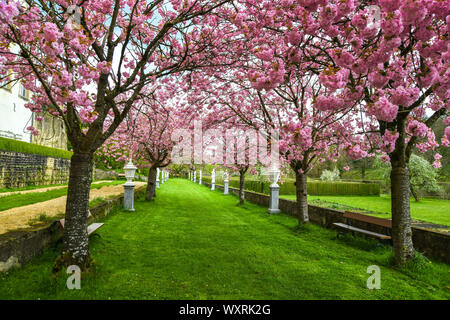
(24, 169)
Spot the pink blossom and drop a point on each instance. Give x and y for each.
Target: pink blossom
(385, 158)
(417, 128)
(404, 96)
(51, 32)
(446, 138)
(104, 67)
(429, 77)
(295, 37)
(344, 59)
(383, 110)
(334, 80)
(378, 79)
(412, 11)
(388, 141)
(325, 103)
(437, 164)
(392, 26)
(390, 5)
(8, 11)
(355, 152)
(265, 55)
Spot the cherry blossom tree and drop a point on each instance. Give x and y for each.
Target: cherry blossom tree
(325, 60)
(146, 134)
(282, 82)
(88, 61)
(402, 61)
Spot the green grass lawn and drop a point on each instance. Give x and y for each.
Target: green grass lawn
(428, 210)
(193, 243)
(4, 190)
(18, 200)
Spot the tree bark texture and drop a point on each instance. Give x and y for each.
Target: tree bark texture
(302, 197)
(151, 184)
(241, 187)
(75, 238)
(401, 217)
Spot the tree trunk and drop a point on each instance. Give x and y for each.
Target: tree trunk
(241, 187)
(302, 197)
(413, 192)
(75, 238)
(151, 184)
(400, 204)
(363, 169)
(401, 218)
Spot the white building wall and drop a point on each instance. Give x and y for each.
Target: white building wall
(14, 117)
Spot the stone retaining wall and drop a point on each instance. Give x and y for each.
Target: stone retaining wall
(19, 247)
(431, 243)
(24, 169)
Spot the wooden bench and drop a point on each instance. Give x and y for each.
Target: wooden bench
(91, 228)
(386, 223)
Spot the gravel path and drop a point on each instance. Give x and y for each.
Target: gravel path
(2, 194)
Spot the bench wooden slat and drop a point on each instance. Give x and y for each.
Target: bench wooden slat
(93, 227)
(366, 232)
(387, 223)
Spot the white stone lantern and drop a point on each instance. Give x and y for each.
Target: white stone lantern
(130, 171)
(157, 178)
(225, 182)
(274, 175)
(128, 197)
(213, 180)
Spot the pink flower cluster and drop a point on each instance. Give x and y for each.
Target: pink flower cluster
(261, 81)
(8, 11)
(437, 161)
(383, 110)
(404, 96)
(388, 141)
(417, 128)
(446, 137)
(33, 130)
(326, 103)
(355, 152)
(378, 79)
(334, 80)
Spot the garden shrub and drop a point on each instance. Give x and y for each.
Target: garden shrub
(319, 188)
(25, 147)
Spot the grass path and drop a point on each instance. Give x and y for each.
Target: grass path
(192, 243)
(428, 210)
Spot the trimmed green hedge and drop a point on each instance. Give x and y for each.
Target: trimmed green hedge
(25, 147)
(315, 188)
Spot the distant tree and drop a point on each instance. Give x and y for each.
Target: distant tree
(328, 175)
(422, 175)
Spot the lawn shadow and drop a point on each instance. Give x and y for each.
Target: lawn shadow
(360, 242)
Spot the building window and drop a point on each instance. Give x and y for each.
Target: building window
(4, 82)
(23, 93)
